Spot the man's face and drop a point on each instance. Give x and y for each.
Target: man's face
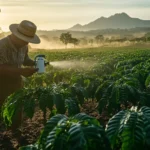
(19, 43)
(22, 43)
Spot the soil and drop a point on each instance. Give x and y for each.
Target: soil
(31, 128)
(25, 135)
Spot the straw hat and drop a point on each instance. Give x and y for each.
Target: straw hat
(26, 31)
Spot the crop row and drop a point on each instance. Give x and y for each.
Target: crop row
(118, 81)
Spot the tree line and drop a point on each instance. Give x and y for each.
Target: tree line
(67, 38)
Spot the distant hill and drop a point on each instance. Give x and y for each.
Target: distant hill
(93, 33)
(47, 35)
(120, 20)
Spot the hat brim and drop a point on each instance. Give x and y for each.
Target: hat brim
(14, 30)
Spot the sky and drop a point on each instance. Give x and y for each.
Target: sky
(63, 14)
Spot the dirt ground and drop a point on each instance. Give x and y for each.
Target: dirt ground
(30, 129)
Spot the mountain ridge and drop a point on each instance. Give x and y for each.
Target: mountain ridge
(118, 20)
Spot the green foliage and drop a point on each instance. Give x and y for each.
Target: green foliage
(26, 99)
(52, 98)
(147, 82)
(99, 38)
(78, 92)
(13, 107)
(112, 94)
(59, 102)
(75, 41)
(116, 77)
(72, 106)
(128, 129)
(49, 127)
(128, 85)
(80, 132)
(29, 147)
(65, 38)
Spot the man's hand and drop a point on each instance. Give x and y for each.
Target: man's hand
(26, 72)
(8, 70)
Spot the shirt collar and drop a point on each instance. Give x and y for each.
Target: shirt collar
(11, 44)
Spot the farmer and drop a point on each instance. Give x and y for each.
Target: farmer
(14, 54)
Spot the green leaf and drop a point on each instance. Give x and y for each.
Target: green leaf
(50, 125)
(60, 103)
(72, 106)
(114, 127)
(29, 147)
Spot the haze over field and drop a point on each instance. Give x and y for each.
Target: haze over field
(63, 14)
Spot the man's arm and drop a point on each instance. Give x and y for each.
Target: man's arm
(10, 71)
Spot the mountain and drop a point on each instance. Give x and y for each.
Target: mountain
(77, 27)
(120, 20)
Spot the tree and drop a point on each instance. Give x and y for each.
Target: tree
(147, 36)
(66, 38)
(83, 41)
(91, 41)
(74, 41)
(99, 38)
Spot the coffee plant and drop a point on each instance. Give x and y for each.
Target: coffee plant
(130, 129)
(80, 132)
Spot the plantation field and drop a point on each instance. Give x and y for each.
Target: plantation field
(87, 99)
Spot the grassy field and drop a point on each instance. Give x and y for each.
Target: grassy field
(67, 54)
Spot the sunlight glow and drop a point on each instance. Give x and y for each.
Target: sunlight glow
(63, 14)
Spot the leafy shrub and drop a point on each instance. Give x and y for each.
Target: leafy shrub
(80, 132)
(130, 129)
(27, 99)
